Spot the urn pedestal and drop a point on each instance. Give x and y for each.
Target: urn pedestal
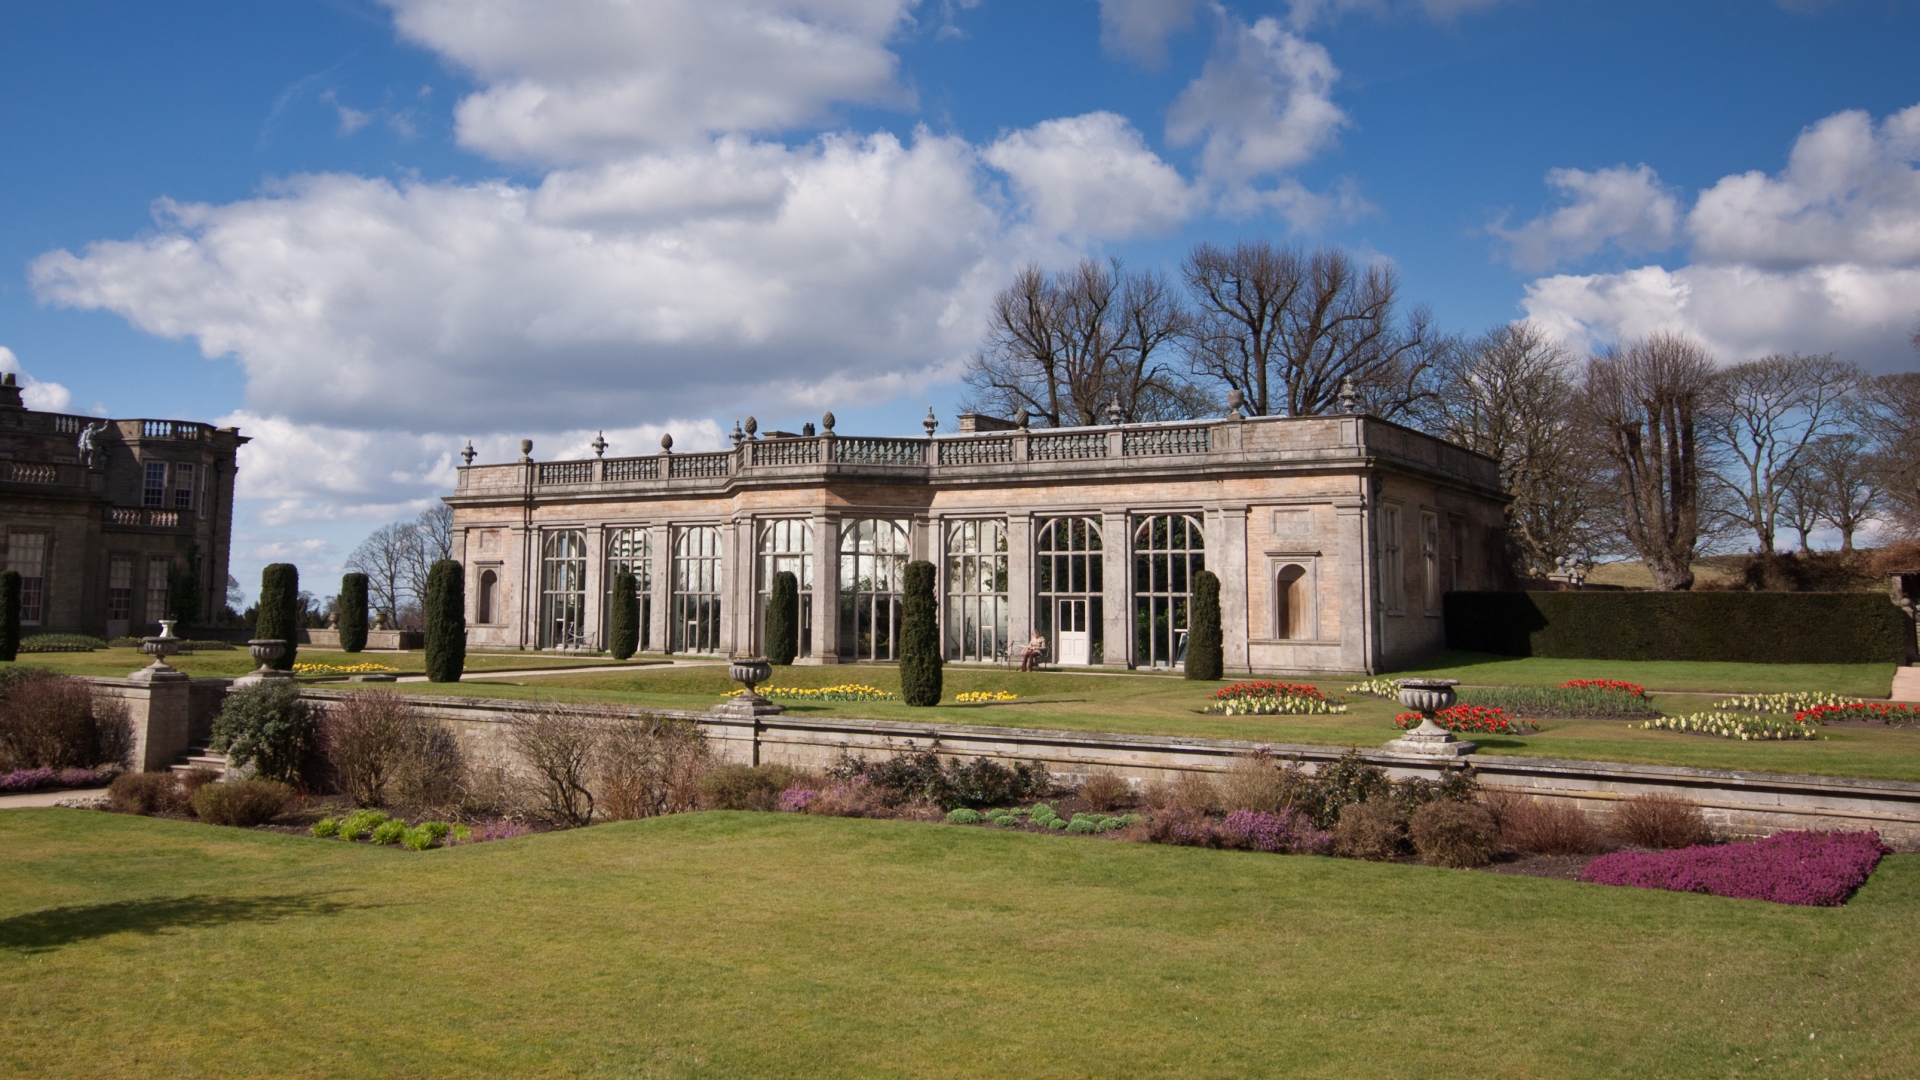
(1427, 697)
(752, 671)
(160, 646)
(265, 650)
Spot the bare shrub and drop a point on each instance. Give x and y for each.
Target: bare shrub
(196, 778)
(745, 787)
(48, 721)
(1259, 783)
(241, 803)
(113, 732)
(1547, 828)
(146, 793)
(1104, 790)
(1456, 834)
(432, 770)
(559, 748)
(1658, 821)
(649, 766)
(1195, 792)
(364, 734)
(1370, 830)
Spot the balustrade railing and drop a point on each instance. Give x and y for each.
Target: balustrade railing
(698, 466)
(22, 472)
(1079, 446)
(68, 425)
(142, 516)
(1156, 441)
(173, 429)
(565, 472)
(855, 451)
(975, 451)
(786, 452)
(633, 468)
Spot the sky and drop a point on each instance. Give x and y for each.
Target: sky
(368, 232)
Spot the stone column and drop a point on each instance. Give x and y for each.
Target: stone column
(1116, 636)
(1228, 527)
(594, 613)
(1019, 579)
(660, 561)
(826, 589)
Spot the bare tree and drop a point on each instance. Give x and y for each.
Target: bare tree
(432, 540)
(1067, 347)
(387, 556)
(1511, 395)
(1762, 417)
(559, 746)
(1846, 486)
(1646, 401)
(1286, 328)
(1803, 503)
(1893, 427)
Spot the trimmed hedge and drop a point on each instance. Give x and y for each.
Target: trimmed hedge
(783, 619)
(279, 614)
(1722, 627)
(9, 614)
(919, 636)
(446, 621)
(1205, 656)
(352, 609)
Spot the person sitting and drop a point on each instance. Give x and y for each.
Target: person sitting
(1030, 654)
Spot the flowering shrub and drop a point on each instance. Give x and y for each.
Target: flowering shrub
(795, 800)
(1286, 832)
(304, 668)
(1821, 869)
(980, 697)
(1798, 701)
(1272, 699)
(1858, 710)
(36, 779)
(1611, 686)
(1736, 726)
(1478, 718)
(848, 692)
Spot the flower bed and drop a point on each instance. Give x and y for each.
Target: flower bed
(1272, 699)
(1610, 686)
(23, 780)
(1747, 728)
(847, 692)
(304, 668)
(1859, 710)
(1384, 688)
(1585, 698)
(984, 697)
(1470, 718)
(1821, 869)
(1796, 702)
(53, 643)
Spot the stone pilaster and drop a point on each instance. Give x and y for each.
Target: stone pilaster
(1228, 527)
(660, 558)
(1117, 641)
(826, 589)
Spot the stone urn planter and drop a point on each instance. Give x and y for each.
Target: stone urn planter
(1427, 697)
(751, 671)
(266, 651)
(160, 646)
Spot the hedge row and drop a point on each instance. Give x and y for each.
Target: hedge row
(1727, 627)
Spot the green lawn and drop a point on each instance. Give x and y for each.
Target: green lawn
(1855, 680)
(228, 663)
(1162, 705)
(782, 945)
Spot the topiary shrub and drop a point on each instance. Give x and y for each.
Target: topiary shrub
(623, 616)
(919, 637)
(146, 794)
(1455, 834)
(241, 803)
(1370, 830)
(1658, 821)
(279, 616)
(183, 588)
(9, 614)
(351, 607)
(783, 619)
(1205, 656)
(446, 621)
(268, 726)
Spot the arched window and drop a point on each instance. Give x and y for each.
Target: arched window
(695, 607)
(786, 545)
(1292, 606)
(630, 551)
(563, 590)
(1167, 552)
(487, 604)
(977, 590)
(1067, 577)
(873, 556)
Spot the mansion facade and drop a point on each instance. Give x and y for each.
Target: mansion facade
(1334, 538)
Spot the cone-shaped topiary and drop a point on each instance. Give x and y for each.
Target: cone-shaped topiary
(623, 616)
(919, 637)
(9, 614)
(783, 618)
(1204, 658)
(183, 589)
(446, 621)
(280, 609)
(352, 608)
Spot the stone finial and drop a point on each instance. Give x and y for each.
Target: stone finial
(931, 423)
(599, 445)
(1349, 396)
(1021, 418)
(526, 449)
(826, 422)
(469, 453)
(1114, 415)
(738, 436)
(7, 379)
(666, 443)
(753, 428)
(1235, 399)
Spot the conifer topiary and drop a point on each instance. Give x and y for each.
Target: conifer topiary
(280, 610)
(623, 616)
(183, 590)
(1204, 655)
(352, 609)
(9, 614)
(446, 621)
(920, 637)
(783, 619)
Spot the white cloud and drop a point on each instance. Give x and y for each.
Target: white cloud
(1093, 175)
(1261, 105)
(1303, 14)
(1628, 208)
(37, 395)
(1140, 28)
(588, 80)
(351, 119)
(1821, 257)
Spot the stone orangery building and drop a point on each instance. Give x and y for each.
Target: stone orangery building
(1334, 538)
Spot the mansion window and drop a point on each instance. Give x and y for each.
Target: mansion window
(154, 494)
(120, 588)
(1430, 563)
(694, 610)
(1393, 568)
(563, 589)
(27, 556)
(873, 558)
(157, 568)
(1067, 576)
(183, 474)
(976, 608)
(631, 551)
(1168, 549)
(786, 546)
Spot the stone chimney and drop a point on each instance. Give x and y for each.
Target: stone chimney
(10, 391)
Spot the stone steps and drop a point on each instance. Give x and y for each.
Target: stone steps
(1906, 684)
(199, 757)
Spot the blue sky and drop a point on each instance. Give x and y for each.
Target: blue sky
(366, 232)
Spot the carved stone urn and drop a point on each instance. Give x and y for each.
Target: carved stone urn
(160, 646)
(1427, 697)
(266, 651)
(752, 671)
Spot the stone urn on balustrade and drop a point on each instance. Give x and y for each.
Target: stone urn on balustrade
(160, 646)
(750, 671)
(265, 650)
(1427, 697)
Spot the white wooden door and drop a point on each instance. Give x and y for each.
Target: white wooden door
(1074, 648)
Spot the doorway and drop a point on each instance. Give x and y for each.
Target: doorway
(1075, 645)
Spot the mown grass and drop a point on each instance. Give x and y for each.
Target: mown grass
(1487, 669)
(782, 945)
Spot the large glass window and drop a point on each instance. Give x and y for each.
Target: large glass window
(27, 556)
(1168, 549)
(786, 546)
(183, 476)
(695, 609)
(563, 590)
(977, 590)
(630, 551)
(155, 492)
(157, 588)
(873, 556)
(1067, 575)
(120, 588)
(1430, 563)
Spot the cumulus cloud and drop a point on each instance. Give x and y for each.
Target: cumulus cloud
(1303, 14)
(1140, 28)
(574, 81)
(1628, 208)
(1093, 175)
(1821, 257)
(38, 395)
